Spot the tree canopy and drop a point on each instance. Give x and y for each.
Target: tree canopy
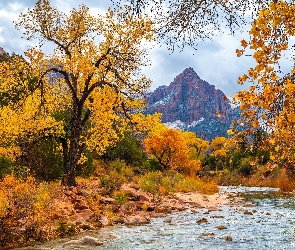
(187, 22)
(269, 102)
(93, 75)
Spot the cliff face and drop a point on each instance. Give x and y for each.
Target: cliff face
(189, 103)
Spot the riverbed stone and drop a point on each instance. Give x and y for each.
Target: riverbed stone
(209, 234)
(217, 216)
(248, 204)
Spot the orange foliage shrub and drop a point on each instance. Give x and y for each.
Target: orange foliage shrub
(24, 211)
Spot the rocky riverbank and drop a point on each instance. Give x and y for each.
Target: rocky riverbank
(137, 210)
(232, 218)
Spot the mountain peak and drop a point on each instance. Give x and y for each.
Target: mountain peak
(188, 73)
(192, 103)
(189, 70)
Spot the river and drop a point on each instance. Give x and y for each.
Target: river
(264, 219)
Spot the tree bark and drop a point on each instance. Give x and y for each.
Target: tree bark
(73, 154)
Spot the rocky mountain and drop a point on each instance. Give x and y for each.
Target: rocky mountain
(190, 103)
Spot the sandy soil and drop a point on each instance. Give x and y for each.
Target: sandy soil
(202, 199)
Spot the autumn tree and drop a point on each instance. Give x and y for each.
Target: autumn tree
(93, 72)
(187, 22)
(197, 146)
(169, 149)
(269, 102)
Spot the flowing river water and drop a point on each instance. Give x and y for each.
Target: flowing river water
(263, 219)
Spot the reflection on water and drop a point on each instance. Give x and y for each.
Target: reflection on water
(269, 224)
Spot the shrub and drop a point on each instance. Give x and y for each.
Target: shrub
(245, 168)
(164, 183)
(121, 197)
(128, 150)
(87, 168)
(24, 210)
(195, 184)
(44, 158)
(6, 166)
(150, 182)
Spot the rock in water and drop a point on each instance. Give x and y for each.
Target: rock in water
(84, 241)
(221, 227)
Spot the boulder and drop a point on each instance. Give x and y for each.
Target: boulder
(163, 209)
(138, 219)
(128, 208)
(136, 194)
(104, 220)
(120, 220)
(107, 200)
(84, 241)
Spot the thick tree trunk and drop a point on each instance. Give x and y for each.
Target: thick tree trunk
(72, 157)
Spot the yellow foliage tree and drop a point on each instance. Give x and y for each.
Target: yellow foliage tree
(93, 72)
(197, 146)
(269, 102)
(218, 145)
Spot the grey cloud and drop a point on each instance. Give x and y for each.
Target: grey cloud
(215, 61)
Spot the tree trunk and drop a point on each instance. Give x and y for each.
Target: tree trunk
(72, 157)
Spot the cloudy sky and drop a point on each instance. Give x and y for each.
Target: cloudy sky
(214, 61)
